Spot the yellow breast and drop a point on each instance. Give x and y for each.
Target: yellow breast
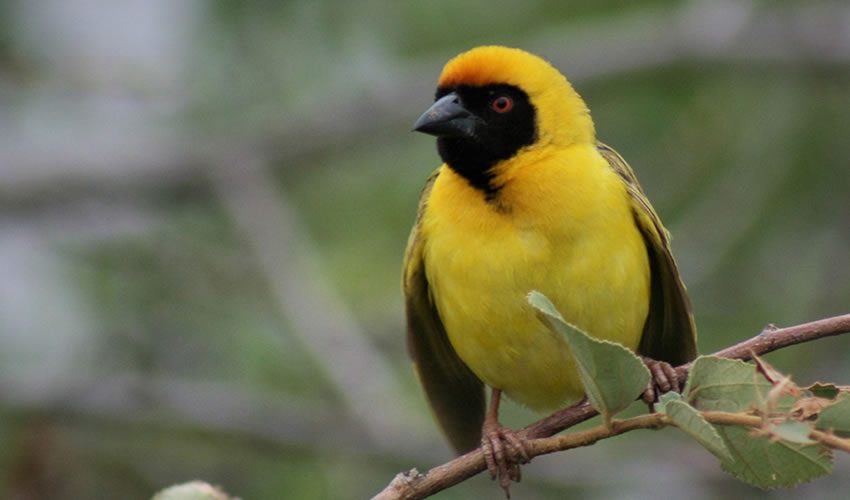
(562, 225)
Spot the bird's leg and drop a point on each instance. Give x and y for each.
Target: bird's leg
(664, 379)
(503, 449)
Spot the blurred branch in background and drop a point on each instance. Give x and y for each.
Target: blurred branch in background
(362, 377)
(724, 31)
(213, 407)
(217, 294)
(35, 292)
(757, 160)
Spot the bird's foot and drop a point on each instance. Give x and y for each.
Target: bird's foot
(664, 379)
(504, 451)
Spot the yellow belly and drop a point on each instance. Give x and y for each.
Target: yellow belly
(564, 228)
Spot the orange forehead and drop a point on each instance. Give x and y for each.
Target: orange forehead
(562, 116)
(494, 64)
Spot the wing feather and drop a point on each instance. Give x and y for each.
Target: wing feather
(455, 394)
(670, 331)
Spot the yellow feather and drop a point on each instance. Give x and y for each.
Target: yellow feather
(567, 231)
(568, 219)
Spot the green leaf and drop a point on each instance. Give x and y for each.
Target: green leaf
(728, 385)
(689, 420)
(836, 417)
(792, 431)
(734, 386)
(771, 464)
(665, 399)
(824, 390)
(612, 376)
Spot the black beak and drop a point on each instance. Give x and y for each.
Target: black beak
(447, 118)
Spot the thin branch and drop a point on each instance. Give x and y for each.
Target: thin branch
(586, 438)
(412, 484)
(656, 421)
(726, 418)
(825, 438)
(831, 440)
(772, 338)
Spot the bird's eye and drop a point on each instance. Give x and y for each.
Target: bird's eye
(502, 104)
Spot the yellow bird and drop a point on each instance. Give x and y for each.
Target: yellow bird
(527, 199)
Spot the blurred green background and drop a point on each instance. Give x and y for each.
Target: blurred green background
(203, 209)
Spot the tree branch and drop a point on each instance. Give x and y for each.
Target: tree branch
(772, 338)
(412, 484)
(831, 440)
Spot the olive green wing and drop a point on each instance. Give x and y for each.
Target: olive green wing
(455, 394)
(670, 332)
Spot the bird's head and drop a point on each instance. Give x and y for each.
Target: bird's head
(493, 103)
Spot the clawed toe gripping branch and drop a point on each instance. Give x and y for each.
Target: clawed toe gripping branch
(783, 434)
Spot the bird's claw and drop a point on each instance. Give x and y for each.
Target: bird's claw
(664, 379)
(504, 451)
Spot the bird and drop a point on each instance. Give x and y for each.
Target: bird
(527, 198)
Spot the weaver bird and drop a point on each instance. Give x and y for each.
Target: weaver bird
(527, 199)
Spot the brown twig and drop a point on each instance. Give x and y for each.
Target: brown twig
(831, 440)
(825, 438)
(412, 484)
(773, 338)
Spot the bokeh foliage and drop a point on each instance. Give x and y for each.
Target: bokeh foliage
(746, 160)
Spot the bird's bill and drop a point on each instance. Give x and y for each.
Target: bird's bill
(447, 118)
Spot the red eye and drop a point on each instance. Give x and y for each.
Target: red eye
(502, 104)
